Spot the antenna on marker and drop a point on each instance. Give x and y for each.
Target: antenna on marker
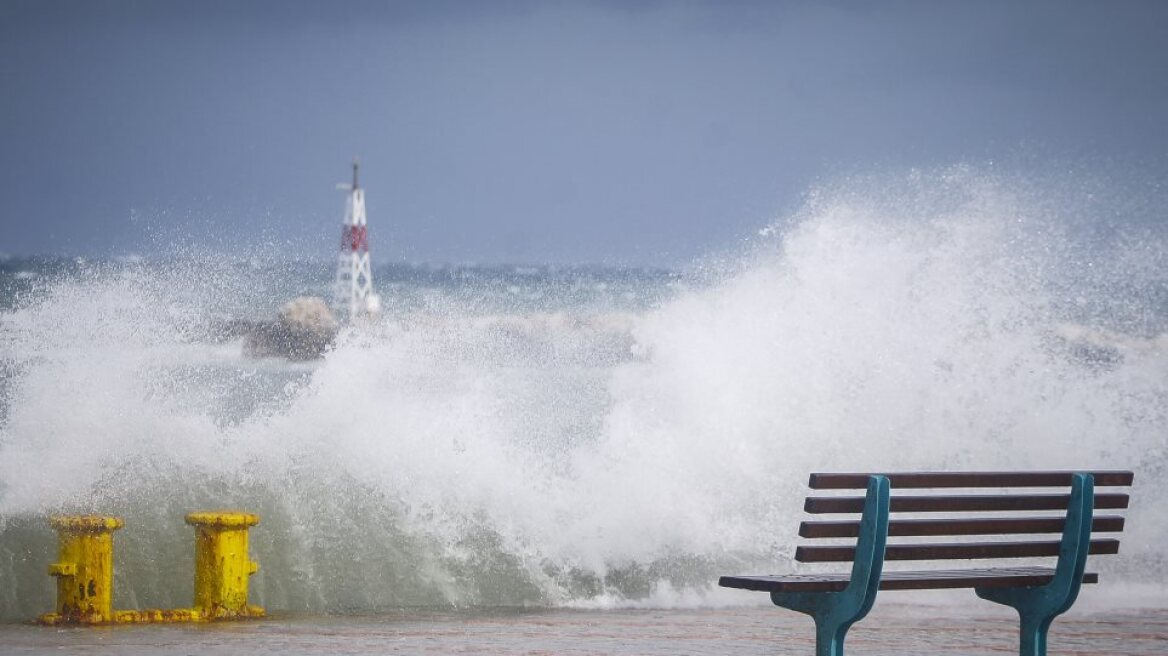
(346, 186)
(353, 295)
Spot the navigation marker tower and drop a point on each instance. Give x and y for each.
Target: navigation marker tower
(353, 295)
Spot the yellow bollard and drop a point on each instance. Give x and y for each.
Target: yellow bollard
(222, 566)
(84, 569)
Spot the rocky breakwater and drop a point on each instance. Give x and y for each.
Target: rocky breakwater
(303, 330)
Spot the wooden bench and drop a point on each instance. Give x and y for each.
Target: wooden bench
(965, 520)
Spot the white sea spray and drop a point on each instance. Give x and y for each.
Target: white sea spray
(560, 446)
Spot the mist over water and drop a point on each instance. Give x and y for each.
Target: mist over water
(587, 437)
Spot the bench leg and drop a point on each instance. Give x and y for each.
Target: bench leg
(1032, 635)
(1034, 617)
(1038, 606)
(836, 612)
(829, 638)
(833, 616)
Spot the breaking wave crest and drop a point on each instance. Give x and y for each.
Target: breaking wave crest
(590, 453)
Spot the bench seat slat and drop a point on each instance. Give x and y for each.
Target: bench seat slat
(916, 580)
(962, 503)
(858, 481)
(950, 551)
(980, 526)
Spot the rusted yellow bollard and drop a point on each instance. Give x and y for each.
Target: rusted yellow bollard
(222, 566)
(84, 569)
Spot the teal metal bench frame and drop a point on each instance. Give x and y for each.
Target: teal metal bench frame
(835, 612)
(1038, 606)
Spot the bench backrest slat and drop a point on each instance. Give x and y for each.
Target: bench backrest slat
(1012, 517)
(951, 551)
(957, 503)
(855, 481)
(932, 527)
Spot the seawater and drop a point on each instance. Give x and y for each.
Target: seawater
(584, 437)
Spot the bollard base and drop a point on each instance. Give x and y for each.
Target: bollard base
(153, 616)
(58, 619)
(244, 613)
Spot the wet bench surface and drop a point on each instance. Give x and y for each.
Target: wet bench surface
(995, 518)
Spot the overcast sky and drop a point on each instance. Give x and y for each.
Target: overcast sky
(599, 132)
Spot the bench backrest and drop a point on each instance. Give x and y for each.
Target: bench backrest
(958, 508)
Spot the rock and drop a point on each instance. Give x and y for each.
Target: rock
(303, 330)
